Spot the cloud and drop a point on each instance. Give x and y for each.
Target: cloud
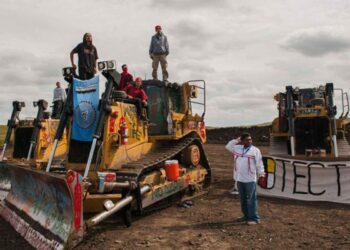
(190, 38)
(189, 4)
(242, 49)
(317, 43)
(26, 68)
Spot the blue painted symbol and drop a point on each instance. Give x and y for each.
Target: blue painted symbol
(85, 114)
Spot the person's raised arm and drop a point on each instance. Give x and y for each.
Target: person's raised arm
(231, 144)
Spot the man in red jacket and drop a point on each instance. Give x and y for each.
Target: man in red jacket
(125, 79)
(137, 96)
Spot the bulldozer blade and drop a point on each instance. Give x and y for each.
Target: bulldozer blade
(44, 208)
(5, 181)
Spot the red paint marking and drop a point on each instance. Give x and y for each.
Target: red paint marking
(202, 129)
(77, 204)
(110, 177)
(70, 177)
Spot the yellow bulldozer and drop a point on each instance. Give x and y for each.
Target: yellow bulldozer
(28, 142)
(309, 153)
(307, 124)
(129, 165)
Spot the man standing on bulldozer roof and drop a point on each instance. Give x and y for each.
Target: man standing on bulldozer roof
(158, 51)
(87, 57)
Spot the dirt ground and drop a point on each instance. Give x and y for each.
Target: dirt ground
(209, 224)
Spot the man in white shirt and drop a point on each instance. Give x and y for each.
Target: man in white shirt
(247, 165)
(59, 97)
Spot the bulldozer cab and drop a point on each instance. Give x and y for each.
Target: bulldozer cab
(172, 106)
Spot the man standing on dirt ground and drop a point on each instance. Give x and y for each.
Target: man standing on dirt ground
(248, 164)
(158, 51)
(125, 78)
(87, 57)
(59, 96)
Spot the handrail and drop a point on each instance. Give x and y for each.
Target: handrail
(204, 96)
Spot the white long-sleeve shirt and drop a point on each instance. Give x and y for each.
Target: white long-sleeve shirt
(247, 162)
(59, 94)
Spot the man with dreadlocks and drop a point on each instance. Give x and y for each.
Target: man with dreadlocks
(248, 165)
(87, 57)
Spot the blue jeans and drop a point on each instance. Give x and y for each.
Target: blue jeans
(249, 202)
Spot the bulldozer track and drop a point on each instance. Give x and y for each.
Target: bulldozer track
(167, 151)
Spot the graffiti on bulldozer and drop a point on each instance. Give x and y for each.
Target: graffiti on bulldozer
(54, 203)
(168, 190)
(35, 238)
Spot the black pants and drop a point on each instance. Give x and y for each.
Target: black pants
(57, 109)
(84, 74)
(138, 103)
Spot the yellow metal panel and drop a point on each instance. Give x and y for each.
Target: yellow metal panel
(93, 203)
(271, 166)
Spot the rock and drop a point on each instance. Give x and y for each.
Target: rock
(189, 242)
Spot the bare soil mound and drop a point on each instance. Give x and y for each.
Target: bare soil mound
(260, 134)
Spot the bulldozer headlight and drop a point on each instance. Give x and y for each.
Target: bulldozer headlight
(322, 88)
(18, 105)
(106, 65)
(67, 71)
(110, 65)
(101, 66)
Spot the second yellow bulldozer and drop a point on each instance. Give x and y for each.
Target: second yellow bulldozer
(28, 142)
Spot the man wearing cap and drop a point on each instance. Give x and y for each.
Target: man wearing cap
(125, 79)
(137, 96)
(158, 51)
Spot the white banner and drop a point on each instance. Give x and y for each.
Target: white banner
(306, 180)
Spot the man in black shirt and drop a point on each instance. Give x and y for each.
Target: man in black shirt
(87, 57)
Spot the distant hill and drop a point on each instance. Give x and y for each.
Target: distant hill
(241, 126)
(260, 133)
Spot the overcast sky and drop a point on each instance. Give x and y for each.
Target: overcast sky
(246, 51)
